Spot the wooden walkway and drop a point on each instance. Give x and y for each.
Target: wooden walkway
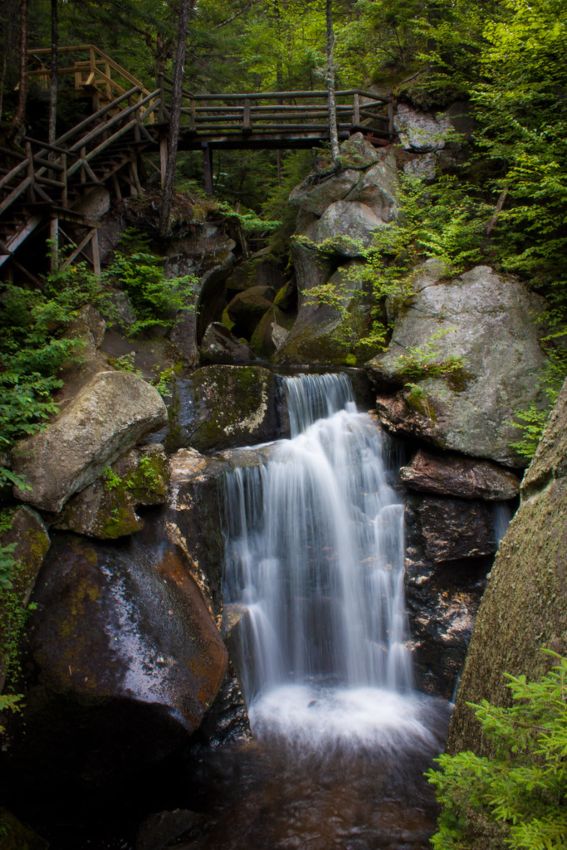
(46, 183)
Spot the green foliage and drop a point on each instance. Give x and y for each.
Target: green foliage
(425, 361)
(531, 421)
(34, 348)
(516, 798)
(112, 481)
(126, 363)
(155, 298)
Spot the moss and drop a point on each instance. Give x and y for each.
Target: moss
(148, 483)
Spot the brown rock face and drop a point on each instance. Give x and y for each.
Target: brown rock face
(247, 308)
(525, 605)
(126, 623)
(453, 529)
(451, 475)
(107, 418)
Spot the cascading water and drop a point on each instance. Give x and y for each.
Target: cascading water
(314, 559)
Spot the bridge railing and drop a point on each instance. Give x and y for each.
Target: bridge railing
(266, 113)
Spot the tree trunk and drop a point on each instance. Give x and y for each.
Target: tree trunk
(53, 78)
(20, 114)
(333, 130)
(186, 6)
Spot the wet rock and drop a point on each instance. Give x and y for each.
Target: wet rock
(106, 509)
(524, 607)
(442, 600)
(110, 414)
(219, 345)
(28, 535)
(453, 529)
(160, 829)
(247, 308)
(450, 475)
(421, 131)
(488, 321)
(128, 659)
(224, 406)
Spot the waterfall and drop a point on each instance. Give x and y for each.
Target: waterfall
(315, 562)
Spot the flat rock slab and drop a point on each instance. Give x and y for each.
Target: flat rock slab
(108, 417)
(462, 477)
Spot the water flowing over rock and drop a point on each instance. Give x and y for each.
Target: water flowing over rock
(314, 572)
(525, 605)
(490, 322)
(109, 416)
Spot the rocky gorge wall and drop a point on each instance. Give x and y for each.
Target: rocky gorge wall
(123, 515)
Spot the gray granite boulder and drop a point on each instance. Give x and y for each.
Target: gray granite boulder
(419, 131)
(110, 414)
(488, 322)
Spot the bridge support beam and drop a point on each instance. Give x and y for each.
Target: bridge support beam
(208, 169)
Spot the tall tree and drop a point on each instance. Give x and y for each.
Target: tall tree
(20, 113)
(185, 8)
(53, 76)
(333, 130)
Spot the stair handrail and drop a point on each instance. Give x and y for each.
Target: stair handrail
(91, 64)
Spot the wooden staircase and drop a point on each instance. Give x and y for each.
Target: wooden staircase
(47, 185)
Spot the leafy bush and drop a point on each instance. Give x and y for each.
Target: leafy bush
(516, 798)
(155, 298)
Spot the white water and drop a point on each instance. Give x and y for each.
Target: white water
(315, 558)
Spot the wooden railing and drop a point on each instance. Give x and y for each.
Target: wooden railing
(92, 70)
(269, 113)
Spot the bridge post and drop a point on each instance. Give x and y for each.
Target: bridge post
(208, 168)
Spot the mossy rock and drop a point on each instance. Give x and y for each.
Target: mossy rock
(25, 530)
(225, 406)
(107, 509)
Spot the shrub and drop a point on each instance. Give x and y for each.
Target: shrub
(515, 799)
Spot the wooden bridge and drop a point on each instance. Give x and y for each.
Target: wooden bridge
(48, 183)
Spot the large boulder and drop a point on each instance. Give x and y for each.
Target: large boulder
(327, 329)
(451, 475)
(247, 308)
(489, 322)
(111, 413)
(349, 226)
(378, 187)
(224, 406)
(524, 608)
(454, 529)
(419, 131)
(127, 655)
